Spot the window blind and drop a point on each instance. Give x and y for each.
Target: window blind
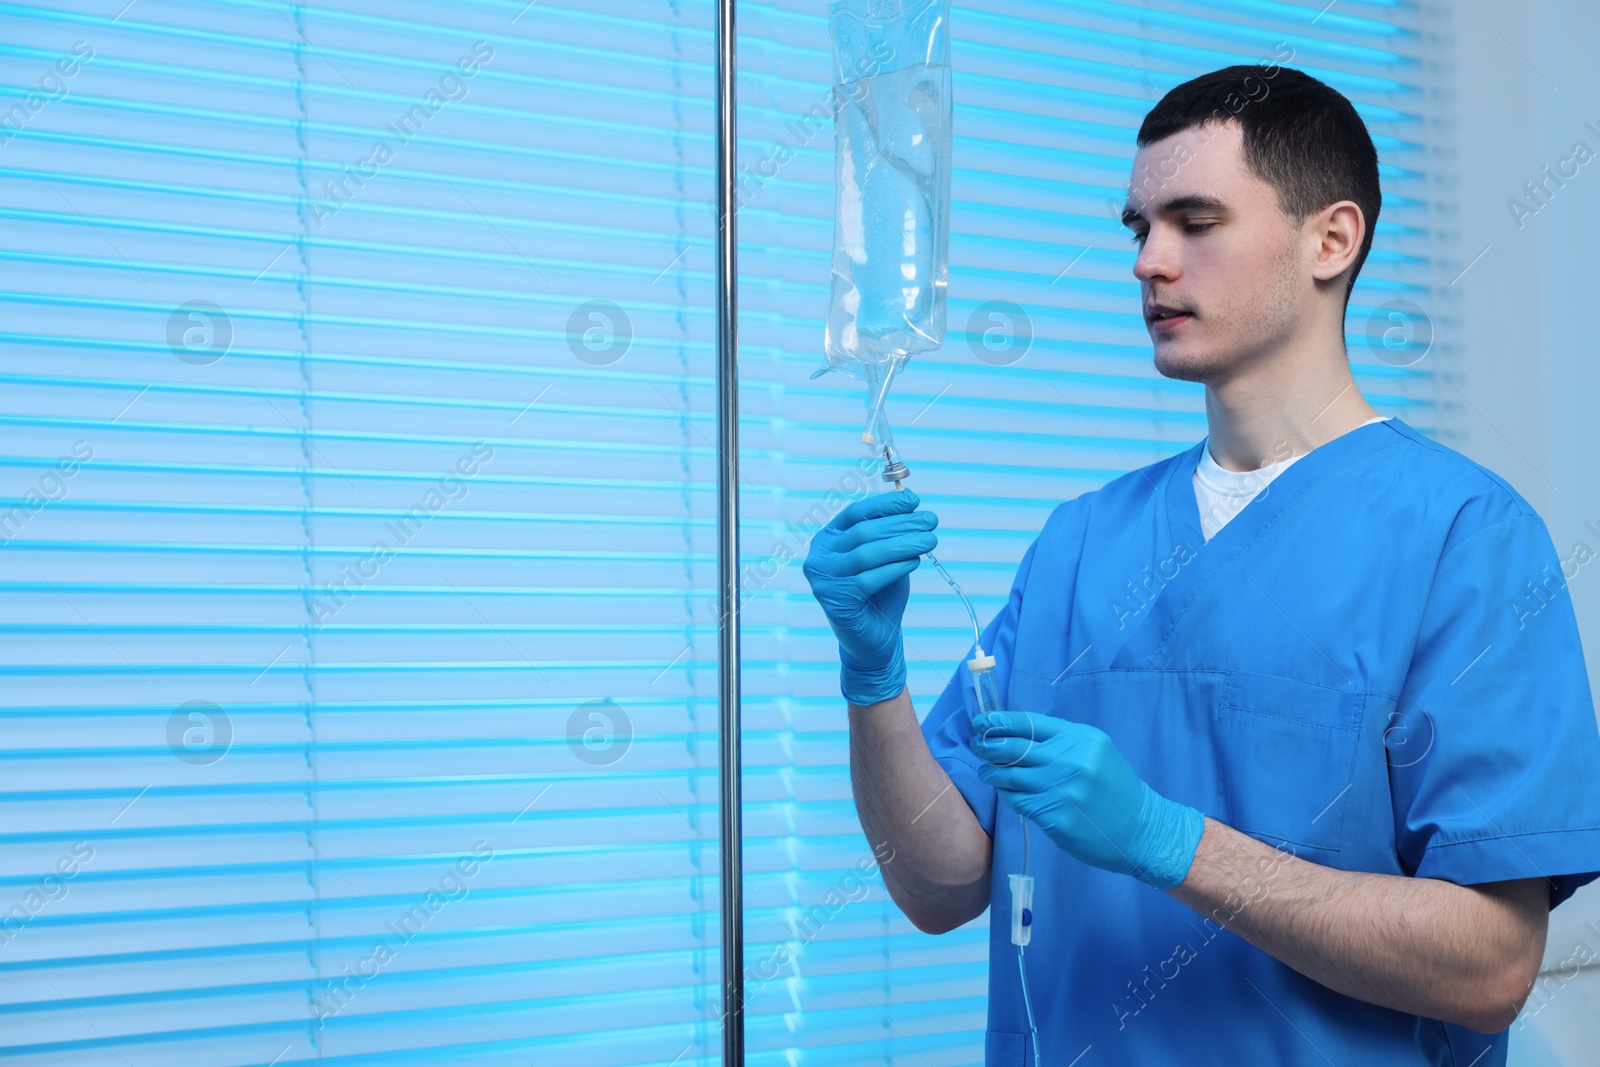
(356, 436)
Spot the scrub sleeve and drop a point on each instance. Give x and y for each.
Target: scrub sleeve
(1494, 757)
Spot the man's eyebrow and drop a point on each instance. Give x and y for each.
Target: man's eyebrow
(1193, 202)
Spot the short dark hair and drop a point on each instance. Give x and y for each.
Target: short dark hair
(1301, 136)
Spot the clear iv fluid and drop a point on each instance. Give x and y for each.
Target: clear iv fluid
(892, 183)
(891, 247)
(984, 687)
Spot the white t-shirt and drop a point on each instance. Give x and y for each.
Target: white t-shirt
(1222, 493)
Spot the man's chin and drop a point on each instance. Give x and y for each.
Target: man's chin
(1174, 361)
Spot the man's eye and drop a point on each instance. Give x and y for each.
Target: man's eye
(1199, 227)
(1137, 238)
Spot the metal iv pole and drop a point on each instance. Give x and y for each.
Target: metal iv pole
(728, 762)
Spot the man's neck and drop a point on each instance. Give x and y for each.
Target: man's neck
(1282, 408)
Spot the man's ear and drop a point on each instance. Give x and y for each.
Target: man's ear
(1337, 231)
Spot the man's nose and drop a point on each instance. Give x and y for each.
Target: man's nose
(1157, 259)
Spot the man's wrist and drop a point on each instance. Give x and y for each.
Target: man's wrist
(865, 687)
(1170, 839)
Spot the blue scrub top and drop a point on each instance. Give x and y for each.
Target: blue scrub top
(1374, 666)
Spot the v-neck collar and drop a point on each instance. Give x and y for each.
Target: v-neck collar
(1179, 523)
(1183, 510)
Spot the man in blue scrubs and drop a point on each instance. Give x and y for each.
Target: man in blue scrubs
(1300, 748)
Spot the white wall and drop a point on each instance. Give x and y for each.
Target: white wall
(1518, 337)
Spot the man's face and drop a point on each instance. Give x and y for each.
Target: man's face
(1220, 267)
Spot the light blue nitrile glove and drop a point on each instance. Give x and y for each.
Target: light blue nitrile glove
(1070, 780)
(859, 567)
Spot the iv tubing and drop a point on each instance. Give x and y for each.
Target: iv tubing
(876, 411)
(977, 690)
(972, 616)
(1022, 967)
(1027, 1003)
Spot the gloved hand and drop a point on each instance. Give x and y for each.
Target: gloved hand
(859, 567)
(1070, 779)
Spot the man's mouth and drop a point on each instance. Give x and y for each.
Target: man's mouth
(1162, 317)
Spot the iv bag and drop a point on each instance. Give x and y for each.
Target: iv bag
(891, 232)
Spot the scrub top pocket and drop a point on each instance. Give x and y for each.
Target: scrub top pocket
(1004, 1049)
(1286, 759)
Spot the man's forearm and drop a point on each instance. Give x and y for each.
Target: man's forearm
(1461, 954)
(940, 873)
